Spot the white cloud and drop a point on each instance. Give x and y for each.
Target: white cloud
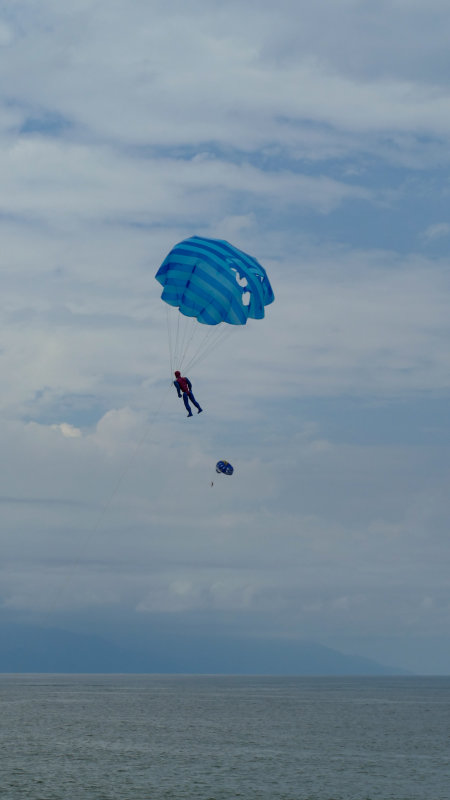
(6, 34)
(67, 430)
(437, 231)
(126, 128)
(245, 79)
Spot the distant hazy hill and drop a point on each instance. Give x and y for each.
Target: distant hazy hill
(32, 649)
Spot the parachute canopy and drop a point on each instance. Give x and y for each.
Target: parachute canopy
(214, 282)
(225, 467)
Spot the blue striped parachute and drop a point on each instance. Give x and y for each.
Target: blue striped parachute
(212, 283)
(224, 467)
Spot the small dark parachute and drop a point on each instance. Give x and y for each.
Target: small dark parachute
(224, 467)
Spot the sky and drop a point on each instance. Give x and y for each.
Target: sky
(315, 137)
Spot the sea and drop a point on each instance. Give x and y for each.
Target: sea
(148, 737)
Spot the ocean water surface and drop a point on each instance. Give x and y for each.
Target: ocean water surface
(125, 737)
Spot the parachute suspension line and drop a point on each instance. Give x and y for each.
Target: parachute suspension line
(210, 342)
(185, 328)
(169, 336)
(179, 330)
(187, 337)
(179, 325)
(177, 338)
(188, 341)
(200, 334)
(208, 349)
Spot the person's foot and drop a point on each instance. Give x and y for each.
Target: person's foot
(200, 411)
(190, 414)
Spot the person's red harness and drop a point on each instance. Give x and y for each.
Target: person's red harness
(183, 384)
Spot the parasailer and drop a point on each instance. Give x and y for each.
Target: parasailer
(184, 387)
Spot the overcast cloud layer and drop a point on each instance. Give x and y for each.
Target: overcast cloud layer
(315, 137)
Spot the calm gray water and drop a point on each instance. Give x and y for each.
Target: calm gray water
(128, 737)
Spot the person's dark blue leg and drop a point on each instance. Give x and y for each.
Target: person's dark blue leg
(186, 403)
(193, 400)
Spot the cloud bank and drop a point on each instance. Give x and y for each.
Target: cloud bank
(317, 140)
